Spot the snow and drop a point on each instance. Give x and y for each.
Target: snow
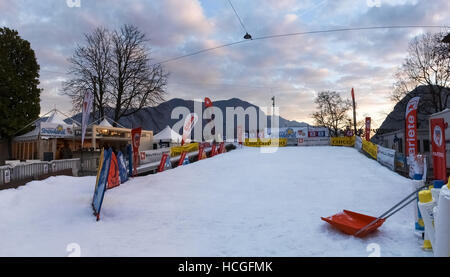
(242, 203)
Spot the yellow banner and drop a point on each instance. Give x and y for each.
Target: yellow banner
(370, 148)
(343, 141)
(281, 142)
(177, 150)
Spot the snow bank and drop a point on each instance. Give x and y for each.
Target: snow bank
(242, 203)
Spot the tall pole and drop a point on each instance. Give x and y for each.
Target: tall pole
(354, 111)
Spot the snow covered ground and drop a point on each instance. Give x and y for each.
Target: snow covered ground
(242, 203)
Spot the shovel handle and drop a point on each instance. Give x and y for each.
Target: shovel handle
(392, 209)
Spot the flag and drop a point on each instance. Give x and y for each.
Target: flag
(438, 148)
(100, 189)
(130, 160)
(113, 174)
(189, 123)
(368, 120)
(411, 127)
(86, 111)
(135, 142)
(122, 168)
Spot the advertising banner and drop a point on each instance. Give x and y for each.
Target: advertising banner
(358, 143)
(55, 130)
(130, 160)
(200, 152)
(151, 156)
(343, 141)
(189, 124)
(100, 189)
(281, 142)
(370, 148)
(411, 127)
(165, 163)
(386, 157)
(177, 150)
(86, 111)
(367, 131)
(122, 168)
(318, 141)
(438, 148)
(318, 132)
(135, 142)
(113, 175)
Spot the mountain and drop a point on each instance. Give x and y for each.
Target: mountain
(157, 118)
(396, 118)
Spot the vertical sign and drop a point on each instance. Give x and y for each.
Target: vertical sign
(411, 127)
(438, 148)
(189, 123)
(86, 110)
(368, 120)
(135, 142)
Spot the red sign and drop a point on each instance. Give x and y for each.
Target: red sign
(213, 150)
(368, 120)
(208, 102)
(189, 123)
(438, 148)
(222, 147)
(135, 142)
(162, 164)
(200, 152)
(183, 155)
(411, 127)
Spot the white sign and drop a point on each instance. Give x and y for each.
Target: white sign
(45, 168)
(7, 176)
(313, 141)
(386, 157)
(151, 156)
(55, 130)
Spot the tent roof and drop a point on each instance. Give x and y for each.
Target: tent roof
(31, 135)
(167, 134)
(56, 117)
(105, 123)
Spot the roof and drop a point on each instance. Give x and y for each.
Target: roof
(168, 134)
(105, 123)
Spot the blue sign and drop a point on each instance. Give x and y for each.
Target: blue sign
(99, 192)
(122, 168)
(130, 160)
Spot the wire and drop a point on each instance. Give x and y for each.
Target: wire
(235, 12)
(298, 34)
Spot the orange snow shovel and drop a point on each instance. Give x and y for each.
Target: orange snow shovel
(359, 225)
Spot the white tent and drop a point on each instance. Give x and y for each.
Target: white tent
(168, 134)
(105, 123)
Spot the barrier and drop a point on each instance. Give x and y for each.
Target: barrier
(386, 157)
(358, 143)
(253, 142)
(150, 156)
(342, 141)
(370, 148)
(177, 150)
(314, 141)
(5, 174)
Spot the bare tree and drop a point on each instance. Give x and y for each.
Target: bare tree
(136, 84)
(90, 71)
(402, 86)
(115, 67)
(332, 111)
(427, 64)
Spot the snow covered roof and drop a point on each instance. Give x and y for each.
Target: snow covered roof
(168, 134)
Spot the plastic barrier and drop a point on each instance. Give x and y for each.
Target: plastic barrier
(442, 224)
(426, 205)
(370, 148)
(177, 150)
(386, 157)
(150, 156)
(342, 141)
(358, 143)
(272, 142)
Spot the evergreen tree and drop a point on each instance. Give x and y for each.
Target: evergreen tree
(19, 78)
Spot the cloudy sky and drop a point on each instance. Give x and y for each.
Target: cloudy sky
(292, 68)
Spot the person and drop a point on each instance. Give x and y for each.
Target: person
(66, 152)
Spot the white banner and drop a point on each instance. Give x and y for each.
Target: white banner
(86, 110)
(358, 143)
(386, 157)
(313, 141)
(150, 156)
(55, 130)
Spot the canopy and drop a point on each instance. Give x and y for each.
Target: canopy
(105, 123)
(168, 134)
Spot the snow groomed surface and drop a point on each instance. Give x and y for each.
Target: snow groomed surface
(242, 203)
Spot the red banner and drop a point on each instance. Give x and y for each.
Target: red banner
(438, 148)
(183, 155)
(213, 150)
(200, 152)
(135, 142)
(162, 164)
(113, 175)
(368, 121)
(411, 127)
(222, 147)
